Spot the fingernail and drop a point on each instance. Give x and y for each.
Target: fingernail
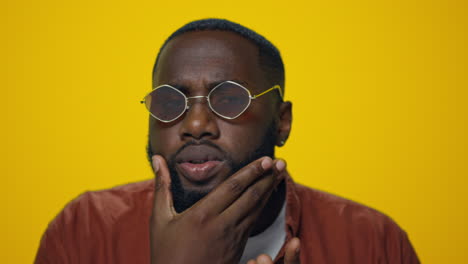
(155, 164)
(266, 163)
(280, 165)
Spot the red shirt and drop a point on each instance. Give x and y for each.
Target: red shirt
(112, 226)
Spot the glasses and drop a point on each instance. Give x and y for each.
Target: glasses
(227, 99)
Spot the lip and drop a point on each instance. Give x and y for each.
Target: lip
(199, 163)
(201, 172)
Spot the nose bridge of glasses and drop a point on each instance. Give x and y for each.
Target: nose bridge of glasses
(196, 98)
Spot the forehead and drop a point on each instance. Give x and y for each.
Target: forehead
(204, 57)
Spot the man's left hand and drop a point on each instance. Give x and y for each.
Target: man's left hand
(291, 255)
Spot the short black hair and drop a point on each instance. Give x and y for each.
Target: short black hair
(269, 56)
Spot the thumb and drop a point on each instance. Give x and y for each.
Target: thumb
(292, 253)
(163, 204)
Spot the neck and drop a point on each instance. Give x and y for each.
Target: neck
(271, 210)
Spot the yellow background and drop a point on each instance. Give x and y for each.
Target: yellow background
(378, 89)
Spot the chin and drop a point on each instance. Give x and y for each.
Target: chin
(205, 187)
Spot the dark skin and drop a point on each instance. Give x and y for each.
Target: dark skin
(216, 228)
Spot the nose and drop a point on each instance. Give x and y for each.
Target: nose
(199, 121)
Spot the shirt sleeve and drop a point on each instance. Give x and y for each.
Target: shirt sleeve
(58, 243)
(399, 248)
(51, 249)
(409, 254)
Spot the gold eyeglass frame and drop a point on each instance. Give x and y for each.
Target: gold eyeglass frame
(208, 99)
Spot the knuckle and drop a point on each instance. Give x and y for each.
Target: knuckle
(235, 185)
(225, 229)
(255, 194)
(201, 217)
(256, 169)
(159, 185)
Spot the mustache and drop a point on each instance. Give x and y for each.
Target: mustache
(198, 143)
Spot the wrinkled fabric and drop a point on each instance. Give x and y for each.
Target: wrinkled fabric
(112, 226)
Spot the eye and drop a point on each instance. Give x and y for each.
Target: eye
(225, 99)
(174, 102)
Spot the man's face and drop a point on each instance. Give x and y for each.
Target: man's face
(203, 149)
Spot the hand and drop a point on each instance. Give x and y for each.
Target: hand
(216, 228)
(291, 255)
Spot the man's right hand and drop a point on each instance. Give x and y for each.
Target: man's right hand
(216, 228)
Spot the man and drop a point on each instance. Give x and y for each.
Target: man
(220, 196)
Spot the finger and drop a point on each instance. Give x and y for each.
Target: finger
(230, 190)
(247, 208)
(292, 252)
(163, 204)
(264, 259)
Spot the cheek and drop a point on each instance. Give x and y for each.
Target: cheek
(240, 139)
(163, 140)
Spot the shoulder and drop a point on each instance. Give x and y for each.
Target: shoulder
(122, 194)
(323, 204)
(341, 223)
(105, 206)
(345, 218)
(90, 221)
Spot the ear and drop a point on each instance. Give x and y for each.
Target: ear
(285, 122)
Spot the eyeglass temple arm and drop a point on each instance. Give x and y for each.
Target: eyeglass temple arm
(272, 88)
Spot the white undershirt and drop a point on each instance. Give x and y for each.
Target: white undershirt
(269, 241)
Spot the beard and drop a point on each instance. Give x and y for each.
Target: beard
(184, 198)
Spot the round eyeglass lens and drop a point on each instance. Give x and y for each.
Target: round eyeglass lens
(229, 99)
(165, 103)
